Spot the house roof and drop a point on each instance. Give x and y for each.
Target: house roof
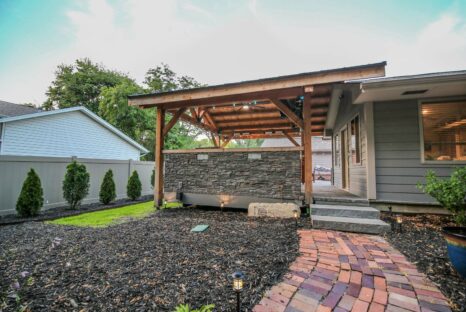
(83, 110)
(430, 85)
(8, 109)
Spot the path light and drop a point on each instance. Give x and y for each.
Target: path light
(295, 213)
(222, 205)
(164, 203)
(399, 221)
(238, 283)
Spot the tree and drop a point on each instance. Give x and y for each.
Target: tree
(80, 84)
(114, 108)
(107, 189)
(31, 198)
(75, 184)
(134, 187)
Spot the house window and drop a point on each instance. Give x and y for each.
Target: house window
(337, 150)
(444, 131)
(355, 141)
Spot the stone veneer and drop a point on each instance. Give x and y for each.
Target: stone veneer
(275, 175)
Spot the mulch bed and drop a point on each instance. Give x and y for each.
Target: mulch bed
(64, 211)
(151, 264)
(422, 242)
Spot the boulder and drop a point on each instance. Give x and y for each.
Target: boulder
(275, 210)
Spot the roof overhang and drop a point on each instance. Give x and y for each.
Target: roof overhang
(435, 85)
(262, 108)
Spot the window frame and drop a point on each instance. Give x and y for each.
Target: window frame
(337, 144)
(359, 163)
(421, 131)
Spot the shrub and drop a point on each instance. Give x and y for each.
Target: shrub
(449, 192)
(76, 184)
(186, 308)
(134, 187)
(31, 198)
(107, 189)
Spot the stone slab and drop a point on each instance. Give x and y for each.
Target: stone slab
(274, 210)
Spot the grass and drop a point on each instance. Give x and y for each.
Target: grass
(109, 217)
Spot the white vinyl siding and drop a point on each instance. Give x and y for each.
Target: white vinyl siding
(64, 135)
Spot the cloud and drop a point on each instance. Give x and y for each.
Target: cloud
(135, 35)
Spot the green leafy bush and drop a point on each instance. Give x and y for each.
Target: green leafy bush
(76, 184)
(449, 192)
(186, 308)
(31, 198)
(152, 178)
(134, 187)
(107, 189)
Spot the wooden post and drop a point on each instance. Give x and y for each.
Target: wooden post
(307, 139)
(159, 138)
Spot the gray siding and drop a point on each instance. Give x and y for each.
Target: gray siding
(51, 170)
(398, 153)
(357, 172)
(64, 135)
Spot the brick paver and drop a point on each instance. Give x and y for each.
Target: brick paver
(344, 272)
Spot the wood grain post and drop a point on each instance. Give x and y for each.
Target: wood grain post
(307, 139)
(159, 141)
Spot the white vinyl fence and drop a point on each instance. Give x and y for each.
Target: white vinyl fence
(51, 170)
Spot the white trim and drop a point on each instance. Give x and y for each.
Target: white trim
(358, 164)
(370, 151)
(421, 134)
(86, 112)
(2, 136)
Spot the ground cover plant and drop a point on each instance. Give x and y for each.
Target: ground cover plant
(150, 264)
(111, 216)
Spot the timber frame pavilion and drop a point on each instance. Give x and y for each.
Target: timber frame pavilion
(286, 106)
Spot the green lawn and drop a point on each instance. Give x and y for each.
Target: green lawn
(110, 216)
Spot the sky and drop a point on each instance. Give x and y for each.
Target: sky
(219, 41)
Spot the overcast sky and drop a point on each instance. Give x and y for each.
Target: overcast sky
(219, 41)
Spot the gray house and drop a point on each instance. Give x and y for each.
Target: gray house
(76, 131)
(388, 132)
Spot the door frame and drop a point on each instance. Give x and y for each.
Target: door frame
(344, 150)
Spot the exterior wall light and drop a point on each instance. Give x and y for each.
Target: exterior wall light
(238, 284)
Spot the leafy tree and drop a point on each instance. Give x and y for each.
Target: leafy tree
(449, 192)
(134, 187)
(107, 189)
(80, 84)
(114, 108)
(75, 184)
(31, 198)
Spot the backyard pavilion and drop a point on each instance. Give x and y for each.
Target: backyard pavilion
(286, 106)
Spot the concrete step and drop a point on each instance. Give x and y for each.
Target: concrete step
(347, 211)
(341, 201)
(359, 225)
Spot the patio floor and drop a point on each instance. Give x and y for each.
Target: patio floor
(351, 272)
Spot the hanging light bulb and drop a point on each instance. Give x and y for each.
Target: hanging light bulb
(246, 106)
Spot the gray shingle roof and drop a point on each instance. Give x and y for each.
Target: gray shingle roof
(10, 109)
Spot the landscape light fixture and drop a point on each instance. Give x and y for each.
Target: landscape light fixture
(164, 203)
(399, 222)
(295, 213)
(238, 283)
(222, 205)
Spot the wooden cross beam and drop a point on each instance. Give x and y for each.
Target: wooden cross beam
(173, 121)
(291, 138)
(288, 112)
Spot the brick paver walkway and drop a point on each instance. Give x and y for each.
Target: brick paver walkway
(351, 272)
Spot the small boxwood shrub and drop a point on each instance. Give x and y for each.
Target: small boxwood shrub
(449, 192)
(107, 188)
(76, 184)
(134, 187)
(31, 198)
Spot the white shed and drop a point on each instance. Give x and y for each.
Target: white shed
(66, 132)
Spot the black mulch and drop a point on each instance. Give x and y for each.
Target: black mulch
(149, 264)
(64, 211)
(422, 242)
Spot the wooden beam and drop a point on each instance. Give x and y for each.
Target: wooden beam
(288, 113)
(226, 141)
(159, 138)
(173, 121)
(196, 123)
(307, 140)
(261, 85)
(292, 140)
(193, 113)
(214, 139)
(209, 119)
